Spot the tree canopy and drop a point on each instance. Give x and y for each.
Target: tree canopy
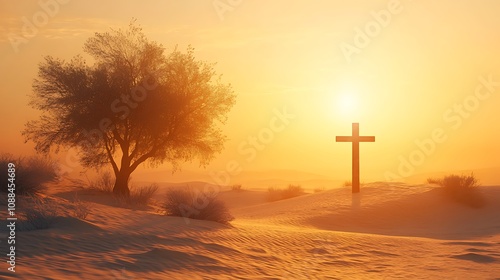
(135, 104)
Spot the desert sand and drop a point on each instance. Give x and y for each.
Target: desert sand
(389, 231)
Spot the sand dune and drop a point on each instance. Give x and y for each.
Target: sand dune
(398, 209)
(391, 231)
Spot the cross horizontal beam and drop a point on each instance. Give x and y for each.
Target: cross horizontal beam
(355, 139)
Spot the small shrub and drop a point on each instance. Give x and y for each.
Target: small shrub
(32, 173)
(102, 183)
(347, 184)
(196, 205)
(292, 191)
(175, 199)
(141, 196)
(41, 214)
(275, 194)
(434, 181)
(236, 187)
(318, 190)
(81, 209)
(461, 188)
(458, 182)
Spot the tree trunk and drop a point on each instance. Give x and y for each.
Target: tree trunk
(121, 183)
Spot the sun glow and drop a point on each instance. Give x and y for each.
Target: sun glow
(347, 103)
(344, 103)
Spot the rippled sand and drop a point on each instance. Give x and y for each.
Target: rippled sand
(390, 231)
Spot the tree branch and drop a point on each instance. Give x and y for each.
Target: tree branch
(142, 159)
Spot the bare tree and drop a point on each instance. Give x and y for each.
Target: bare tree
(135, 104)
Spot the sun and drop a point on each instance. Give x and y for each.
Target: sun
(343, 103)
(347, 103)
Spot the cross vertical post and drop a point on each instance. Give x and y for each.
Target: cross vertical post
(355, 139)
(355, 159)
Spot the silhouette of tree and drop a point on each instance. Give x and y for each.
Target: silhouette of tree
(135, 104)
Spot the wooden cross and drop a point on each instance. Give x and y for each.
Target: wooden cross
(355, 139)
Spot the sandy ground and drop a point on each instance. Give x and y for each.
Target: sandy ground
(390, 231)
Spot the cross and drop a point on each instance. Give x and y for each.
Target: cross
(355, 139)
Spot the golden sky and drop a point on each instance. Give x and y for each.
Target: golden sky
(421, 76)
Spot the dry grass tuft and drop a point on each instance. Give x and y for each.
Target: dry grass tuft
(318, 190)
(461, 188)
(236, 187)
(104, 183)
(39, 213)
(347, 184)
(275, 194)
(31, 173)
(81, 209)
(196, 205)
(140, 197)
